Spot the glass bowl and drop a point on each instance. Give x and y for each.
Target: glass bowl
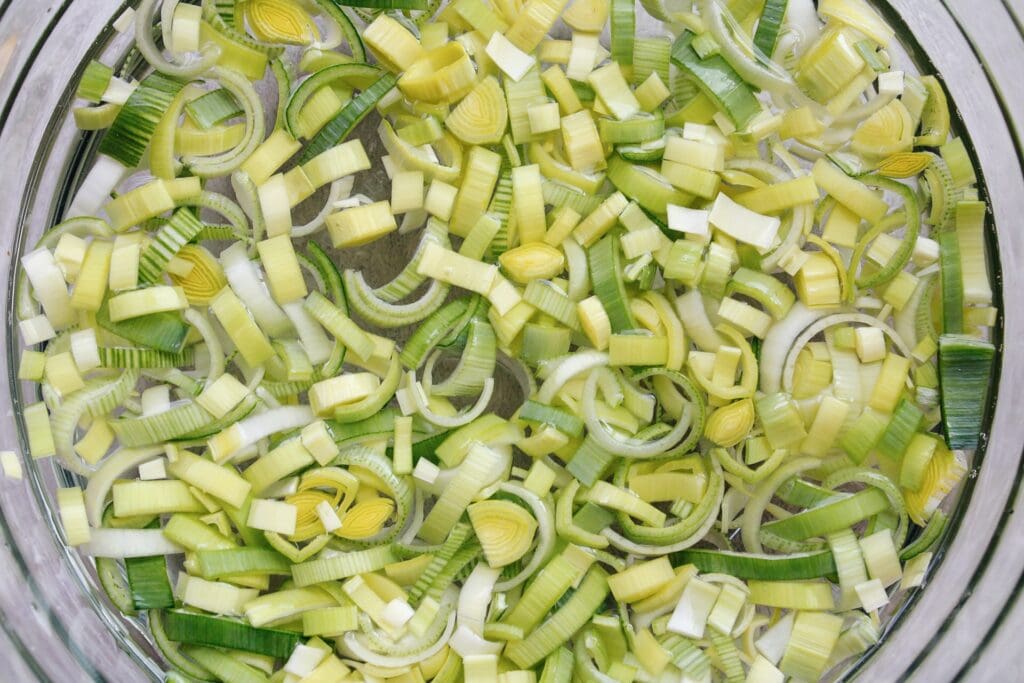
(56, 623)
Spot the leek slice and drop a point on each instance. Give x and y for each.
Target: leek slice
(965, 365)
(717, 80)
(129, 135)
(576, 611)
(340, 127)
(505, 530)
(352, 74)
(482, 116)
(811, 565)
(186, 627)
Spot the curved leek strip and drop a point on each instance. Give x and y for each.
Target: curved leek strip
(940, 187)
(776, 298)
(81, 227)
(881, 482)
(477, 363)
(113, 468)
(837, 260)
(133, 129)
(933, 530)
(905, 322)
(694, 316)
(579, 270)
(415, 159)
(213, 347)
(743, 56)
(796, 223)
(340, 189)
(167, 11)
(822, 324)
(374, 402)
(462, 418)
(216, 140)
(589, 655)
(162, 159)
(144, 41)
(674, 328)
(368, 305)
(834, 515)
(899, 259)
(409, 279)
(567, 368)
(97, 397)
(252, 110)
(935, 117)
(778, 342)
(710, 499)
(356, 646)
(635, 131)
(731, 464)
(284, 85)
(342, 30)
(750, 369)
(675, 441)
(752, 513)
(799, 225)
(482, 116)
(222, 205)
(96, 118)
(295, 554)
(355, 74)
(409, 644)
(677, 535)
(554, 169)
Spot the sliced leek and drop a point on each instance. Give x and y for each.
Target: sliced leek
(718, 354)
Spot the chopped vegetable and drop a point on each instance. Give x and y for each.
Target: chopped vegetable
(699, 262)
